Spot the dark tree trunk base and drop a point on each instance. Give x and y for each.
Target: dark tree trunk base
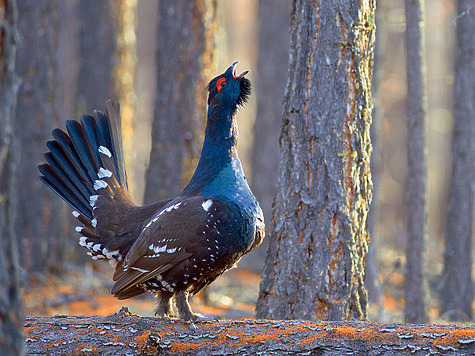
(127, 334)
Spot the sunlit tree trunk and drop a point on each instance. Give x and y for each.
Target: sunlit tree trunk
(40, 220)
(11, 317)
(415, 288)
(319, 232)
(184, 57)
(457, 294)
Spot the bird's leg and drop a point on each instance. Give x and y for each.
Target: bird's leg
(184, 310)
(164, 306)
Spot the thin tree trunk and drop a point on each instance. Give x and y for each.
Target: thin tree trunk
(184, 57)
(11, 316)
(40, 220)
(457, 294)
(319, 233)
(415, 288)
(272, 68)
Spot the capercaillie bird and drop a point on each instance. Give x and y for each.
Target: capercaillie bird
(175, 247)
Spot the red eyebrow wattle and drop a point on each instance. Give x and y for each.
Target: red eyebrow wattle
(219, 83)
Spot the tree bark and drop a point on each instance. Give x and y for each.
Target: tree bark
(272, 65)
(415, 289)
(11, 316)
(125, 334)
(457, 294)
(319, 234)
(40, 220)
(98, 31)
(184, 57)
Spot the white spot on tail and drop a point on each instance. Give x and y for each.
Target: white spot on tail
(75, 214)
(103, 173)
(94, 222)
(207, 204)
(99, 184)
(82, 240)
(105, 151)
(79, 228)
(112, 254)
(96, 247)
(92, 200)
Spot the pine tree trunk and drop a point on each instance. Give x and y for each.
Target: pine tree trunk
(11, 317)
(272, 67)
(97, 35)
(184, 57)
(457, 294)
(415, 309)
(40, 220)
(319, 233)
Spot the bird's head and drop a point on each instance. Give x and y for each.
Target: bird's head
(228, 89)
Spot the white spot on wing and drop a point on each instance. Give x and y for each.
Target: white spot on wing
(140, 269)
(105, 151)
(207, 204)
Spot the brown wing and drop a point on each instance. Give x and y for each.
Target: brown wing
(166, 240)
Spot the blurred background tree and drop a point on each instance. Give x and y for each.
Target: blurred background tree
(185, 50)
(457, 292)
(41, 222)
(48, 62)
(11, 313)
(416, 184)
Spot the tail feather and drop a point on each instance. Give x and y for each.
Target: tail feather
(65, 181)
(113, 112)
(60, 187)
(77, 136)
(77, 170)
(69, 152)
(89, 128)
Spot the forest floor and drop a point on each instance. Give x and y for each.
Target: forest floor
(85, 290)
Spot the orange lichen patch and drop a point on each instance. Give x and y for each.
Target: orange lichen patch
(454, 336)
(185, 346)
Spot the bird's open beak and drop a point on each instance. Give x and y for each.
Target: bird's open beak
(234, 71)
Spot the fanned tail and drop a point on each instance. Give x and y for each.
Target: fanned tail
(85, 167)
(85, 160)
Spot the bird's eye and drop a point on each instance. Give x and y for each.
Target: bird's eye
(221, 83)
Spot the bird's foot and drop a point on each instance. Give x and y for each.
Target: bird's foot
(185, 313)
(164, 308)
